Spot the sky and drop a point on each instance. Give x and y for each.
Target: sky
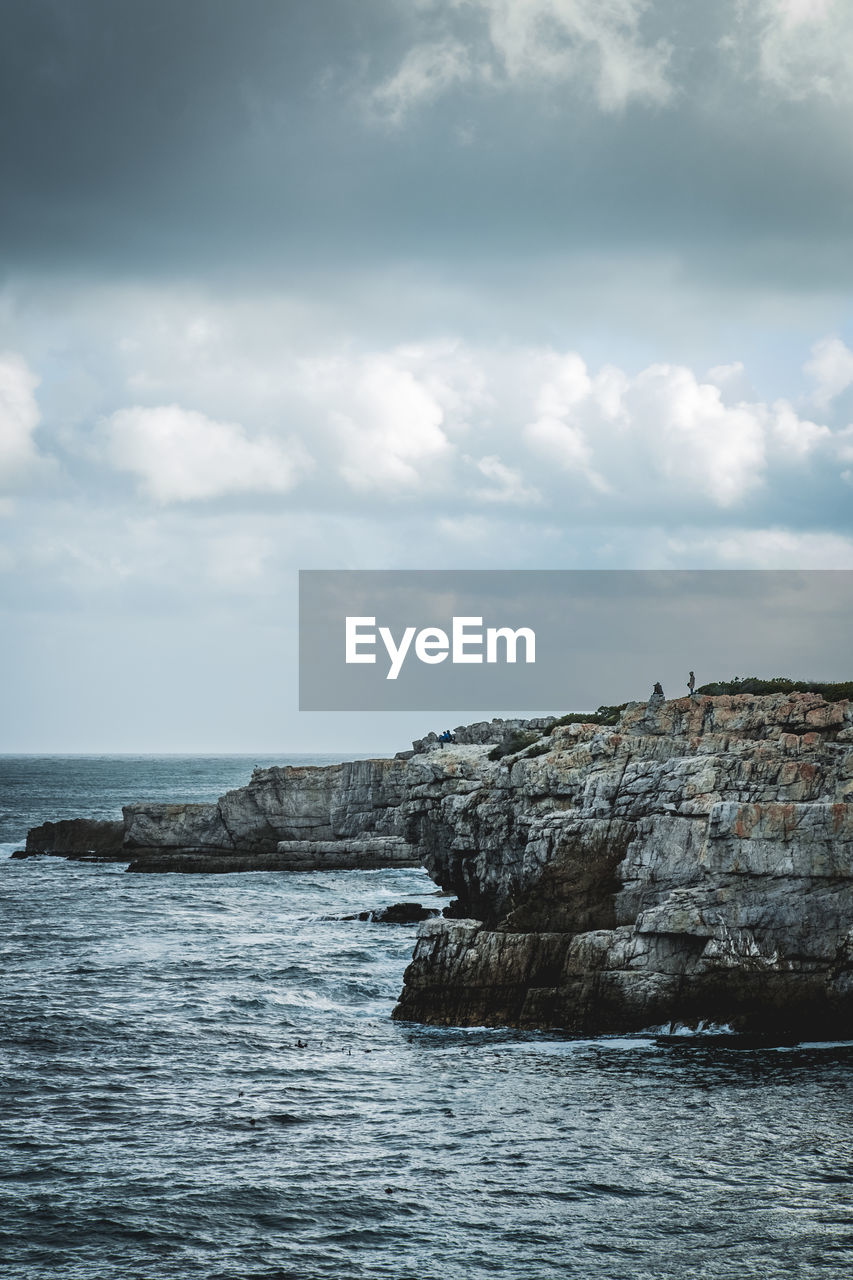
(398, 284)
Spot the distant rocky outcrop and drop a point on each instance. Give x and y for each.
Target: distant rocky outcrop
(349, 816)
(335, 818)
(78, 839)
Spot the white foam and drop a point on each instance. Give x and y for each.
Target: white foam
(682, 1029)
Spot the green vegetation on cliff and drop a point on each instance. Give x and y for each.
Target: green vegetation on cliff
(604, 715)
(779, 684)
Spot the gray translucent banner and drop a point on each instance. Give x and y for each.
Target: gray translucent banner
(583, 637)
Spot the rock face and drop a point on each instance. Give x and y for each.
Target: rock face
(693, 864)
(341, 817)
(368, 853)
(79, 839)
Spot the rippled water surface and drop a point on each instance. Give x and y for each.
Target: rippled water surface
(201, 1078)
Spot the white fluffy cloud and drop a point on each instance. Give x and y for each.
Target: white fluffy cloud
(795, 436)
(692, 439)
(19, 417)
(181, 455)
(663, 429)
(504, 433)
(391, 413)
(805, 47)
(448, 423)
(831, 367)
(392, 432)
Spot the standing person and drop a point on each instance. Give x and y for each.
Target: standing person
(691, 683)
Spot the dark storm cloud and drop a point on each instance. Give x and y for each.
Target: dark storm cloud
(206, 137)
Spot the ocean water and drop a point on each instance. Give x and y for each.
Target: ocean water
(200, 1078)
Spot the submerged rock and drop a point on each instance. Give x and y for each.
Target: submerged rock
(397, 913)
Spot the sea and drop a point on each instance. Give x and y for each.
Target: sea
(201, 1079)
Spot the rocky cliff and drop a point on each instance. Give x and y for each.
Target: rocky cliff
(693, 864)
(337, 817)
(352, 815)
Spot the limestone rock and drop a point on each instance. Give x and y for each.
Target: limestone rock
(693, 864)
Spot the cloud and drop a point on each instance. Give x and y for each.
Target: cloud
(831, 368)
(774, 548)
(391, 413)
(844, 441)
(427, 71)
(530, 43)
(534, 427)
(794, 435)
(583, 41)
(566, 445)
(440, 427)
(507, 484)
(663, 430)
(181, 455)
(804, 47)
(692, 438)
(567, 386)
(19, 417)
(393, 432)
(796, 49)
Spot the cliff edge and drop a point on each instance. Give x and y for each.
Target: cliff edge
(693, 864)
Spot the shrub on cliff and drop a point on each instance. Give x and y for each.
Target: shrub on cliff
(779, 684)
(517, 741)
(605, 715)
